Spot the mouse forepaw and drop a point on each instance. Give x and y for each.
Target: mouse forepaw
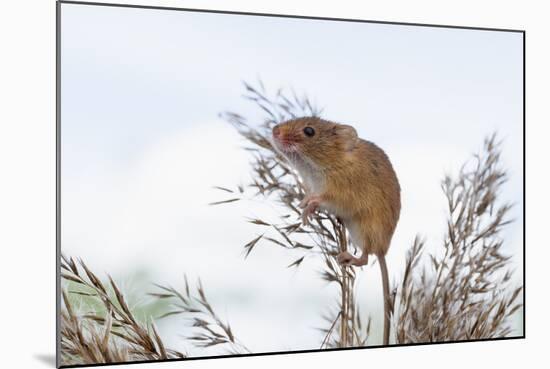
(306, 214)
(309, 201)
(311, 205)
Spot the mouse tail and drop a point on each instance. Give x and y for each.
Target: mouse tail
(386, 290)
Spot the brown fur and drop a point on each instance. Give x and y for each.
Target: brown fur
(360, 185)
(350, 178)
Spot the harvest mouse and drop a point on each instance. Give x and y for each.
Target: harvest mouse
(350, 178)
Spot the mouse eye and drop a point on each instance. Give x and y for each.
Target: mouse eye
(308, 131)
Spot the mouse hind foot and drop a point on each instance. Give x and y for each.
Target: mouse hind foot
(347, 259)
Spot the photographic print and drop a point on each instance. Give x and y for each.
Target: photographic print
(245, 184)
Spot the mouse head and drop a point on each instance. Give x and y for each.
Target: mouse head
(314, 140)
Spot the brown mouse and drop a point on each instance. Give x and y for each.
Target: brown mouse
(350, 178)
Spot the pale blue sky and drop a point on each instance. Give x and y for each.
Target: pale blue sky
(142, 144)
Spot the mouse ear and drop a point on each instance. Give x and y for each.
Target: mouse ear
(348, 135)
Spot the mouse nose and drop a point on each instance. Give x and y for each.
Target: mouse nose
(276, 132)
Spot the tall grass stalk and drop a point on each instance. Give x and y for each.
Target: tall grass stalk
(274, 178)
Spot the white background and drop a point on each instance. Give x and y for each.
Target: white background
(27, 187)
(141, 149)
